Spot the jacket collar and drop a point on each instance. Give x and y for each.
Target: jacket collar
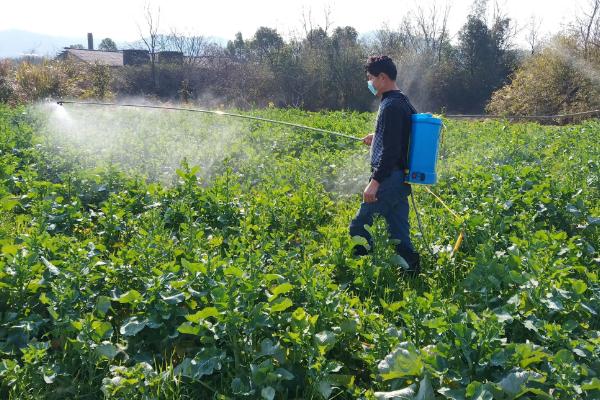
(389, 93)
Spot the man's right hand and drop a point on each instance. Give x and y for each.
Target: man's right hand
(368, 139)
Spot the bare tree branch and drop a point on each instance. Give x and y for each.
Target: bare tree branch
(533, 33)
(588, 26)
(152, 21)
(431, 29)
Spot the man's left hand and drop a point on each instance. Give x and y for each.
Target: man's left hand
(370, 193)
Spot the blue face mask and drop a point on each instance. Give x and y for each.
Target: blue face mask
(372, 88)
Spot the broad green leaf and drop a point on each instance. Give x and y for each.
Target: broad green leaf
(273, 277)
(102, 328)
(564, 356)
(478, 391)
(402, 362)
(578, 285)
(452, 394)
(77, 325)
(203, 314)
(108, 350)
(215, 241)
(233, 271)
(51, 267)
(530, 354)
(132, 296)
(325, 338)
(52, 313)
(592, 384)
(205, 363)
(513, 383)
(284, 374)
(174, 299)
(267, 348)
(425, 390)
(504, 316)
(181, 173)
(407, 393)
(189, 328)
(132, 326)
(529, 324)
(267, 393)
(11, 249)
(399, 261)
(361, 241)
(349, 326)
(438, 323)
(553, 303)
(103, 304)
(325, 389)
(341, 380)
(49, 375)
(299, 314)
(193, 267)
(8, 203)
(281, 289)
(281, 304)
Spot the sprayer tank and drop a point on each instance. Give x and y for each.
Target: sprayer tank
(423, 149)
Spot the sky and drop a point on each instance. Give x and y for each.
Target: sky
(119, 19)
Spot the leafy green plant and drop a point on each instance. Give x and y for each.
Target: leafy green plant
(234, 278)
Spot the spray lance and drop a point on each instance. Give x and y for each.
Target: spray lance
(215, 112)
(423, 149)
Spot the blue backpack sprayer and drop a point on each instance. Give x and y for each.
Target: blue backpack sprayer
(422, 156)
(423, 149)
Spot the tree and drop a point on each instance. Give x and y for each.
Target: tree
(432, 28)
(484, 59)
(76, 46)
(192, 46)
(347, 58)
(317, 38)
(587, 28)
(533, 34)
(266, 43)
(388, 41)
(107, 44)
(237, 47)
(151, 40)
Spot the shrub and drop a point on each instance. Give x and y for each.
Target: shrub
(556, 80)
(7, 89)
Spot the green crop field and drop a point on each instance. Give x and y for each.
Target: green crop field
(168, 255)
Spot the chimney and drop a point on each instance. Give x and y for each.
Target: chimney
(90, 41)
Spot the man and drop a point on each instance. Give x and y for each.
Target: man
(387, 193)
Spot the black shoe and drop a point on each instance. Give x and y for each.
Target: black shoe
(413, 259)
(414, 266)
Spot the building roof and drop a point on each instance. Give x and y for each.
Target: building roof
(110, 58)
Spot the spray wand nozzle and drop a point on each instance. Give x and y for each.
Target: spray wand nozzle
(59, 102)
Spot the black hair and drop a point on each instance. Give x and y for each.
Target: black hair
(378, 64)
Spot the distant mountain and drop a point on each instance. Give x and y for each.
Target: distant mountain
(15, 43)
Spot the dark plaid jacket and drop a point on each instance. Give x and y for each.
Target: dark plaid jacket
(389, 149)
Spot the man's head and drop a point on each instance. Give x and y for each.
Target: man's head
(381, 71)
